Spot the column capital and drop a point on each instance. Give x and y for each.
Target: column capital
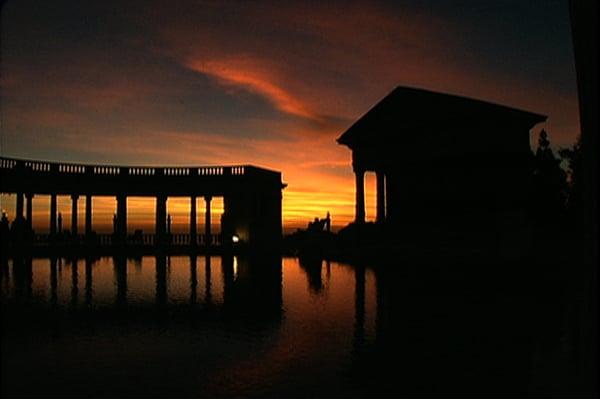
(29, 195)
(74, 197)
(208, 198)
(358, 169)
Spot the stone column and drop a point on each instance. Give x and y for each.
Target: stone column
(207, 233)
(193, 229)
(53, 214)
(207, 222)
(389, 198)
(74, 199)
(360, 196)
(19, 206)
(29, 210)
(88, 215)
(122, 217)
(161, 218)
(380, 197)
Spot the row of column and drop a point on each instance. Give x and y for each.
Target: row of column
(121, 216)
(382, 187)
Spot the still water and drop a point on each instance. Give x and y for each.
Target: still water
(185, 327)
(209, 327)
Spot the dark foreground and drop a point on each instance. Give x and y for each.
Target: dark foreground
(233, 327)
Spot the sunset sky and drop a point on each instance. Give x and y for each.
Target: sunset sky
(265, 83)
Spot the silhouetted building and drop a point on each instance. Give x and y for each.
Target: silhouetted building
(251, 196)
(444, 163)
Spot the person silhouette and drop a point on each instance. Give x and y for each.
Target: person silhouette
(4, 221)
(4, 228)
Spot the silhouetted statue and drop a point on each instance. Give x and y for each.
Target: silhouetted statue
(320, 224)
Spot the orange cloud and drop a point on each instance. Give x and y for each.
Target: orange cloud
(242, 73)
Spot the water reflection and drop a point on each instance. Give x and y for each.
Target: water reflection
(252, 328)
(359, 308)
(193, 279)
(89, 296)
(74, 283)
(207, 282)
(313, 268)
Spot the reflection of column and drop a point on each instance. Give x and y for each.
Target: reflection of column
(29, 210)
(207, 233)
(161, 280)
(380, 196)
(17, 273)
(193, 229)
(53, 283)
(207, 294)
(53, 214)
(74, 199)
(227, 270)
(74, 283)
(88, 215)
(120, 265)
(4, 273)
(359, 307)
(29, 277)
(193, 279)
(88, 282)
(360, 196)
(380, 319)
(22, 278)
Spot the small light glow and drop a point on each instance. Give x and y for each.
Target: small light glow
(235, 238)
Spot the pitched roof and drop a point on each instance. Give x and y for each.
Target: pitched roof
(407, 107)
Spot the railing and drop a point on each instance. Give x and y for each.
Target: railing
(112, 170)
(105, 170)
(178, 239)
(38, 166)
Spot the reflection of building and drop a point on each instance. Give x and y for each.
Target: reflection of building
(440, 158)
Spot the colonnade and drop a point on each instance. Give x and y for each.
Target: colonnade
(121, 216)
(383, 197)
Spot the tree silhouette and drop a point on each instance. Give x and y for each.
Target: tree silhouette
(573, 156)
(549, 183)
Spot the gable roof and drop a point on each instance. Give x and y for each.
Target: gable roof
(407, 107)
